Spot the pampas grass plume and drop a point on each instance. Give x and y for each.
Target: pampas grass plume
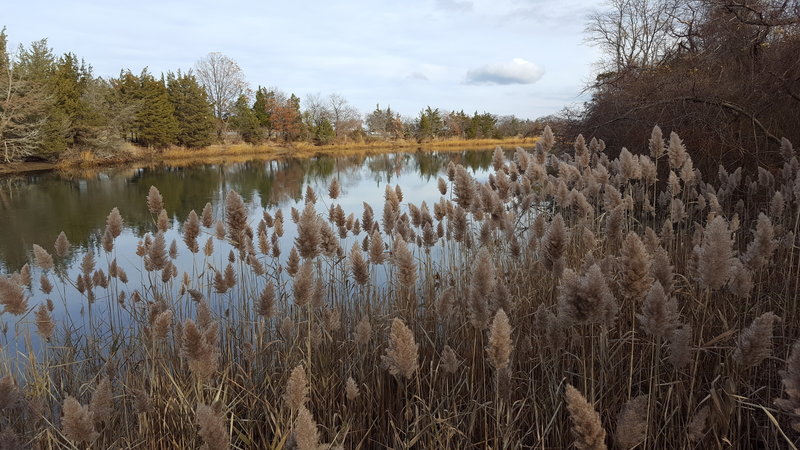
(791, 385)
(12, 296)
(363, 331)
(481, 288)
(632, 423)
(44, 322)
(635, 261)
(659, 312)
(401, 356)
(62, 245)
(102, 404)
(715, 255)
(296, 393)
(212, 428)
(77, 422)
(43, 259)
(449, 360)
(500, 344)
(155, 203)
(586, 424)
(306, 434)
(755, 342)
(351, 389)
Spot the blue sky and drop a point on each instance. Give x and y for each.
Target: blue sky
(522, 57)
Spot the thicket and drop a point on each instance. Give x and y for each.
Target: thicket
(722, 73)
(571, 300)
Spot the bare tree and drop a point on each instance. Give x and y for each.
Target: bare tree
(316, 108)
(223, 80)
(636, 33)
(344, 116)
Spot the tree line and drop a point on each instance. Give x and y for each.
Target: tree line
(51, 104)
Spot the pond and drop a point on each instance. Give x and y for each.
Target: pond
(35, 208)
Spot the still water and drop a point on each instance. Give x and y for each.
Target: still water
(35, 208)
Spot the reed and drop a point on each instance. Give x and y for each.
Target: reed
(485, 319)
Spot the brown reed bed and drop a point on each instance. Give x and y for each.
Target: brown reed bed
(571, 301)
(218, 153)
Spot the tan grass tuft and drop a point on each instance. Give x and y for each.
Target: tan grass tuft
(102, 403)
(680, 350)
(235, 217)
(303, 285)
(586, 424)
(9, 393)
(77, 422)
(306, 434)
(358, 266)
(155, 203)
(632, 423)
(659, 312)
(481, 288)
(755, 342)
(199, 347)
(449, 360)
(212, 428)
(716, 254)
(265, 307)
(401, 356)
(12, 296)
(207, 216)
(309, 237)
(43, 259)
(554, 242)
(62, 245)
(351, 389)
(587, 298)
(363, 331)
(696, 429)
(500, 343)
(44, 322)
(635, 264)
(297, 390)
(191, 231)
(791, 386)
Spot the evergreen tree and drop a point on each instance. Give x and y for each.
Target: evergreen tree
(244, 120)
(155, 124)
(127, 91)
(22, 107)
(429, 124)
(323, 132)
(193, 112)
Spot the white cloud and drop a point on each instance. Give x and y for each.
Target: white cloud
(518, 71)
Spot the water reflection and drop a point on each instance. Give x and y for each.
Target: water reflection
(35, 208)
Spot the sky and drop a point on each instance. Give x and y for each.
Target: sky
(522, 57)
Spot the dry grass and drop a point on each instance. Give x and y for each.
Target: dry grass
(568, 302)
(242, 152)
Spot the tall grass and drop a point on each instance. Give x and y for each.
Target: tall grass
(572, 300)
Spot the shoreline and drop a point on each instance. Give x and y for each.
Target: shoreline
(244, 152)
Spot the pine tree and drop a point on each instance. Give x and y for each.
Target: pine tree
(22, 106)
(245, 121)
(155, 120)
(323, 132)
(193, 112)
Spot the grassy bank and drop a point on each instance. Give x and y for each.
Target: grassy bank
(216, 153)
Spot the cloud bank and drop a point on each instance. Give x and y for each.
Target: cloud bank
(517, 71)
